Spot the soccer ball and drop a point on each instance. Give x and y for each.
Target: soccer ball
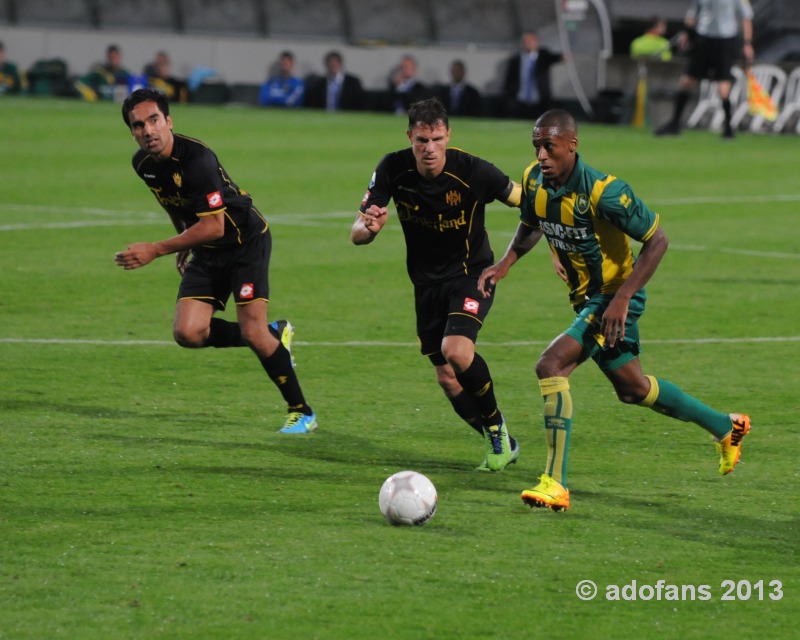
(407, 497)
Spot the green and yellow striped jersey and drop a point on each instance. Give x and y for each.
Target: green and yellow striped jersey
(588, 223)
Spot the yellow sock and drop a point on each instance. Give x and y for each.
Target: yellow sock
(557, 425)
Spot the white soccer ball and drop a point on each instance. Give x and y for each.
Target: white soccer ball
(407, 497)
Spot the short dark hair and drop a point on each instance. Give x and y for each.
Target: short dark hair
(558, 118)
(144, 95)
(429, 112)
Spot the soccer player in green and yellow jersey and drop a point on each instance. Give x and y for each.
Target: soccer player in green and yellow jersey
(588, 218)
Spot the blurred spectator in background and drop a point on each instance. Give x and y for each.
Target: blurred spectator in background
(10, 79)
(283, 89)
(651, 46)
(337, 90)
(460, 98)
(526, 86)
(652, 43)
(404, 87)
(715, 47)
(159, 77)
(104, 78)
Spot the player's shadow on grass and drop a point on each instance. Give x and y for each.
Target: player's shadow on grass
(152, 441)
(677, 518)
(90, 411)
(343, 448)
(329, 447)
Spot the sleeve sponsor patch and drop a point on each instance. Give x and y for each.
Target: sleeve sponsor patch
(214, 199)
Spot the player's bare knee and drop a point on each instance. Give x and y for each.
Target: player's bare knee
(452, 356)
(186, 341)
(631, 395)
(546, 368)
(627, 398)
(189, 339)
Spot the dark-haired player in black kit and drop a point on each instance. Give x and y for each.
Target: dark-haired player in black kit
(229, 243)
(440, 196)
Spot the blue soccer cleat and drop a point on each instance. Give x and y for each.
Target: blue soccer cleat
(297, 422)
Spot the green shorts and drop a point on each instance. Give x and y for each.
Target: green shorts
(586, 330)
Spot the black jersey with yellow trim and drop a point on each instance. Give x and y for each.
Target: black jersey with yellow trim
(192, 183)
(443, 218)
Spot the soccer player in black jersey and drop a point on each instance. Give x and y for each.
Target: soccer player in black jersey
(440, 195)
(588, 218)
(229, 243)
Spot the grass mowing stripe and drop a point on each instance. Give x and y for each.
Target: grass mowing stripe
(385, 343)
(146, 493)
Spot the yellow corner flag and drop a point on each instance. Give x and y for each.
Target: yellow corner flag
(759, 101)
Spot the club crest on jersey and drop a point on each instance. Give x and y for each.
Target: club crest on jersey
(582, 203)
(246, 292)
(471, 306)
(214, 199)
(177, 178)
(452, 198)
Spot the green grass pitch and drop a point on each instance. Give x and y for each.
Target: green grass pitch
(145, 493)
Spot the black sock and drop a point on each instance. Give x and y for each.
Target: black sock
(680, 104)
(225, 334)
(279, 369)
(467, 409)
(477, 382)
(726, 108)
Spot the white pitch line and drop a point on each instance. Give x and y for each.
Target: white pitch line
(78, 224)
(773, 197)
(150, 218)
(386, 343)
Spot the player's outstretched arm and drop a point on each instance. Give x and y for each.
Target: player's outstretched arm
(367, 225)
(612, 323)
(139, 254)
(525, 238)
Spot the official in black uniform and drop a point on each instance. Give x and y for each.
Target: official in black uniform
(223, 247)
(440, 196)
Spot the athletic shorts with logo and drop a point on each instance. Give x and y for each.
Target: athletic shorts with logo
(454, 307)
(213, 275)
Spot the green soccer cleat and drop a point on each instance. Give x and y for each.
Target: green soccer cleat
(484, 466)
(730, 447)
(499, 451)
(284, 331)
(548, 493)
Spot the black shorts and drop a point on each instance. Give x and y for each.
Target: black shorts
(213, 275)
(712, 58)
(452, 308)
